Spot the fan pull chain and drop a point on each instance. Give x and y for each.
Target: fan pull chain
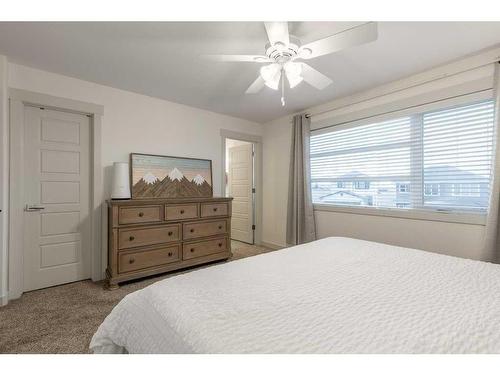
(282, 88)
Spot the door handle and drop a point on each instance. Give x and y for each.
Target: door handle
(29, 208)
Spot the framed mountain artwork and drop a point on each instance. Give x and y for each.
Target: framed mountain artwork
(156, 176)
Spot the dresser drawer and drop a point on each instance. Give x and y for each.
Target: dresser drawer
(134, 237)
(135, 215)
(203, 248)
(204, 229)
(214, 209)
(181, 211)
(132, 261)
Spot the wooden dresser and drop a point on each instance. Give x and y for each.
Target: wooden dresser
(147, 237)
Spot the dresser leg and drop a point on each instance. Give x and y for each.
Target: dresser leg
(113, 285)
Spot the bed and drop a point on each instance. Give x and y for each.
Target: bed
(335, 295)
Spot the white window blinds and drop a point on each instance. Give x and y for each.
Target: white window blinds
(437, 160)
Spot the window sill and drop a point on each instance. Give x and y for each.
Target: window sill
(414, 214)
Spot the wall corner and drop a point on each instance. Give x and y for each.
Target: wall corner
(4, 178)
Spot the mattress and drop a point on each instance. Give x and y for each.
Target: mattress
(335, 295)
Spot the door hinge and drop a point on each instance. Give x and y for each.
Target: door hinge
(253, 227)
(253, 190)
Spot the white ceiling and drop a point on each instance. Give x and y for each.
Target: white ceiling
(162, 59)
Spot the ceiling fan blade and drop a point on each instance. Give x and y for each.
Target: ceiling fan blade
(237, 58)
(315, 78)
(256, 86)
(349, 38)
(277, 32)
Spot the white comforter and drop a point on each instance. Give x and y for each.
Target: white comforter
(336, 295)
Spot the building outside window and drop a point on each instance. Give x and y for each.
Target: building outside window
(362, 185)
(466, 190)
(402, 188)
(431, 189)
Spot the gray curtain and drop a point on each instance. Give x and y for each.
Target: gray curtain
(300, 220)
(491, 249)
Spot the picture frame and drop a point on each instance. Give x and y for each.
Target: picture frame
(162, 177)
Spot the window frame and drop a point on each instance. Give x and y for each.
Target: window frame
(473, 218)
(421, 213)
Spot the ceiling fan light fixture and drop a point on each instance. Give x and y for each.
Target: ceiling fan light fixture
(273, 84)
(293, 73)
(293, 80)
(267, 72)
(271, 75)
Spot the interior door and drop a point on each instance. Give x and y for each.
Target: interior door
(240, 183)
(56, 193)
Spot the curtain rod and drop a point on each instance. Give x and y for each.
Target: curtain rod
(402, 109)
(309, 115)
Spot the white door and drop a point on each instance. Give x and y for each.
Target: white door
(56, 194)
(240, 183)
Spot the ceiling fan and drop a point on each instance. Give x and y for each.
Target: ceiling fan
(284, 53)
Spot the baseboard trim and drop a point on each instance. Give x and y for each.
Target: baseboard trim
(14, 294)
(272, 245)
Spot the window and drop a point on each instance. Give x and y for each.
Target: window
(431, 189)
(402, 188)
(438, 159)
(361, 185)
(467, 190)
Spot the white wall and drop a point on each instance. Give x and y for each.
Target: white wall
(276, 155)
(4, 173)
(464, 240)
(139, 123)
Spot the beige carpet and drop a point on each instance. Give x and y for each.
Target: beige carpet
(62, 319)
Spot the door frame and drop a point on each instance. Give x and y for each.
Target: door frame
(18, 100)
(257, 142)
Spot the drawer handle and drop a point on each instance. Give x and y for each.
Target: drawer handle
(192, 230)
(215, 209)
(131, 238)
(192, 250)
(169, 254)
(220, 226)
(131, 260)
(220, 245)
(182, 211)
(170, 233)
(141, 214)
